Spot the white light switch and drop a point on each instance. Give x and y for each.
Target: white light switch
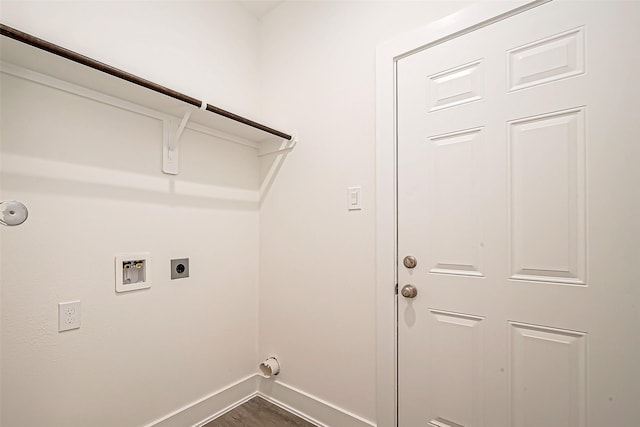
(355, 198)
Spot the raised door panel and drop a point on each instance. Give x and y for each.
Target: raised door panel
(543, 61)
(455, 369)
(548, 376)
(547, 198)
(454, 217)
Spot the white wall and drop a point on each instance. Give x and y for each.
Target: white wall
(207, 50)
(91, 177)
(314, 66)
(317, 265)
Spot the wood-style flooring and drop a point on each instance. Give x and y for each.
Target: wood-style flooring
(257, 412)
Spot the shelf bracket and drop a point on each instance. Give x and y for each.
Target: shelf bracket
(172, 131)
(285, 146)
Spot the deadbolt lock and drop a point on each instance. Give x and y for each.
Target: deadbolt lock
(410, 261)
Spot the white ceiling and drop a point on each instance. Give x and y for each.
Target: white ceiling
(259, 8)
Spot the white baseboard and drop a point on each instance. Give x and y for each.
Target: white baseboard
(308, 407)
(304, 405)
(202, 411)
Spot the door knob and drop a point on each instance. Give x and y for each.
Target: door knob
(410, 261)
(409, 291)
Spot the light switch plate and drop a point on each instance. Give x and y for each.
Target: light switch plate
(354, 198)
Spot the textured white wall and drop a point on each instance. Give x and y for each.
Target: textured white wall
(206, 49)
(317, 260)
(91, 177)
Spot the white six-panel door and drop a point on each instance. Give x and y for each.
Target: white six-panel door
(518, 183)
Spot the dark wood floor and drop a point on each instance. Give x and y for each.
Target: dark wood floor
(258, 413)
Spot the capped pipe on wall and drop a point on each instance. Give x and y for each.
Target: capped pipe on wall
(13, 213)
(270, 367)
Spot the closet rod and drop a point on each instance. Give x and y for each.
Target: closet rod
(97, 65)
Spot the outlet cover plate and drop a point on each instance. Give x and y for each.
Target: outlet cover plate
(68, 315)
(179, 268)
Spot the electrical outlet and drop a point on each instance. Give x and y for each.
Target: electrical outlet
(68, 315)
(179, 268)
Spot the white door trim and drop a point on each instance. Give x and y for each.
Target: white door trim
(387, 55)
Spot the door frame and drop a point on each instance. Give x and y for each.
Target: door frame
(387, 55)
